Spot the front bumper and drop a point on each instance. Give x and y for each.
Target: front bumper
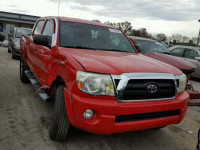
(16, 50)
(107, 108)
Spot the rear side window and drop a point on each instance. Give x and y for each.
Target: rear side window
(178, 52)
(39, 27)
(191, 53)
(48, 29)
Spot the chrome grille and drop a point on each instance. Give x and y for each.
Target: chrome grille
(134, 86)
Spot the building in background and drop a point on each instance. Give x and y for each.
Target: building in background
(9, 20)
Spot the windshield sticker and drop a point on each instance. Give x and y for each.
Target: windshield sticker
(115, 31)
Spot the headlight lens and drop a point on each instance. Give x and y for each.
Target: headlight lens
(181, 82)
(95, 84)
(17, 45)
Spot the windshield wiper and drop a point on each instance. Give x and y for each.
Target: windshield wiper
(84, 47)
(79, 47)
(114, 50)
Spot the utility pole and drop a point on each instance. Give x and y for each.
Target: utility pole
(198, 40)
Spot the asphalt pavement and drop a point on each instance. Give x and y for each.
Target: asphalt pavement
(25, 119)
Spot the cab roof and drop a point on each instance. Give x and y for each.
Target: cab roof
(76, 20)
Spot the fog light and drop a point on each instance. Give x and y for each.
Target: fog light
(88, 114)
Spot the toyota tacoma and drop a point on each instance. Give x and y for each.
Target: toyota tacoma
(97, 79)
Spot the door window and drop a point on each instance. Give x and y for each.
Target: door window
(178, 52)
(48, 30)
(39, 26)
(191, 53)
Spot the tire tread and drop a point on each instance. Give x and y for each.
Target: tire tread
(60, 125)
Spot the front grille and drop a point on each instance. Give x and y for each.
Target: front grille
(137, 89)
(147, 116)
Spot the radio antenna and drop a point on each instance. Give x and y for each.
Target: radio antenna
(58, 9)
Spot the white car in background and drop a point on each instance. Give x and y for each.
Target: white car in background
(189, 53)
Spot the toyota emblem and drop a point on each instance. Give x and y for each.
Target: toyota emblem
(152, 88)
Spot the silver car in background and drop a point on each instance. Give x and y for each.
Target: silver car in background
(14, 40)
(188, 53)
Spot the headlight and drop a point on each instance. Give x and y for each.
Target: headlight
(17, 45)
(181, 83)
(95, 84)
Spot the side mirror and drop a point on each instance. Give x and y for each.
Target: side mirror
(43, 40)
(139, 47)
(197, 58)
(9, 35)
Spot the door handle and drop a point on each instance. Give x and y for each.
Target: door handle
(36, 49)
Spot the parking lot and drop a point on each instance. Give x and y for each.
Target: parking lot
(25, 120)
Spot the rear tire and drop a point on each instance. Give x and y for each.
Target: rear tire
(23, 67)
(60, 125)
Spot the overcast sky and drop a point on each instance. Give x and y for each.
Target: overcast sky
(157, 16)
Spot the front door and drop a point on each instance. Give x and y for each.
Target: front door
(44, 54)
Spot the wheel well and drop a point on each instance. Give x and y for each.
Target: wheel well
(58, 81)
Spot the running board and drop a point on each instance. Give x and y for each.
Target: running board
(37, 86)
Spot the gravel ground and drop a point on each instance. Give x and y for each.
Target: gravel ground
(25, 120)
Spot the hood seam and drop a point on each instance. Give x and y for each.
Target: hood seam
(80, 64)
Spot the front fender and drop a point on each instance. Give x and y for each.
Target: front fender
(69, 107)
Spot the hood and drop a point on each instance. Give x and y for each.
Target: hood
(171, 60)
(117, 63)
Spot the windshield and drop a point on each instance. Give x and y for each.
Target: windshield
(151, 46)
(21, 32)
(85, 36)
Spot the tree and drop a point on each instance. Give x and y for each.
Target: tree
(142, 32)
(161, 37)
(177, 37)
(96, 20)
(110, 23)
(191, 42)
(125, 26)
(180, 38)
(194, 39)
(185, 39)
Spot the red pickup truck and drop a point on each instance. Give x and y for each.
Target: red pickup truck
(98, 81)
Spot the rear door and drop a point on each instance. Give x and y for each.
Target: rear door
(44, 53)
(32, 48)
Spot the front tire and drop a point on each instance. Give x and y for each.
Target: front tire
(60, 125)
(14, 56)
(9, 51)
(22, 70)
